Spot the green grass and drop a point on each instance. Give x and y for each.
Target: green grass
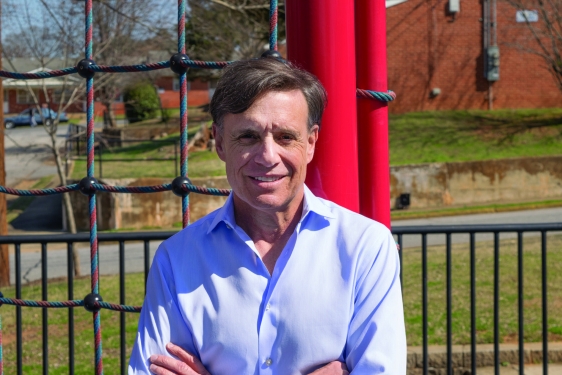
(200, 163)
(109, 288)
(450, 136)
(58, 327)
(436, 265)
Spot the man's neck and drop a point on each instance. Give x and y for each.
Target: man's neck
(270, 231)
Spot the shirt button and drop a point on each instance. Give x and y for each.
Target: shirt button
(267, 307)
(268, 362)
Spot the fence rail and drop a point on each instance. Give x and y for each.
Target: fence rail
(145, 238)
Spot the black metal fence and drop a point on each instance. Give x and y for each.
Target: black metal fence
(403, 235)
(70, 240)
(472, 230)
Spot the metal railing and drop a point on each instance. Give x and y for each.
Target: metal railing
(401, 233)
(472, 230)
(70, 239)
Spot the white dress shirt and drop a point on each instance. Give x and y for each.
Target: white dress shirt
(334, 295)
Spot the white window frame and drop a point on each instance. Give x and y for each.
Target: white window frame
(28, 97)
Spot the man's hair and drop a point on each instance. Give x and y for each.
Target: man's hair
(243, 82)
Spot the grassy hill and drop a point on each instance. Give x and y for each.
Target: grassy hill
(420, 137)
(447, 136)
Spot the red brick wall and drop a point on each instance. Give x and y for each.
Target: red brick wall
(197, 95)
(428, 48)
(15, 107)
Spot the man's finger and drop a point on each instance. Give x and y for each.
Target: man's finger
(164, 365)
(157, 370)
(188, 358)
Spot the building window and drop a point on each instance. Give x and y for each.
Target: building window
(57, 95)
(176, 85)
(25, 97)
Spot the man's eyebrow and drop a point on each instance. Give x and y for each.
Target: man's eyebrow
(247, 129)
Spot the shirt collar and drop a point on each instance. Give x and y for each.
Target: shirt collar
(311, 204)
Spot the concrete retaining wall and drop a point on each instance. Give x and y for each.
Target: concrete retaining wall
(429, 185)
(480, 182)
(142, 211)
(461, 357)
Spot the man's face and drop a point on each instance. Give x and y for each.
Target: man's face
(266, 150)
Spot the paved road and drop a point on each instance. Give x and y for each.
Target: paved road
(546, 215)
(109, 255)
(57, 264)
(28, 154)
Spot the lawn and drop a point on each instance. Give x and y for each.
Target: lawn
(421, 137)
(449, 136)
(200, 163)
(436, 263)
(84, 351)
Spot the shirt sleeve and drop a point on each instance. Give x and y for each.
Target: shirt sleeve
(376, 341)
(160, 321)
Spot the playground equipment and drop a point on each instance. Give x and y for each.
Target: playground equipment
(320, 39)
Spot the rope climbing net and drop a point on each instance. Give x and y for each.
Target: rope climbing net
(181, 185)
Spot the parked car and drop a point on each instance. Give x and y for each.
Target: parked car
(24, 118)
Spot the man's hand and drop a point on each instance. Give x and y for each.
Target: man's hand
(188, 364)
(332, 368)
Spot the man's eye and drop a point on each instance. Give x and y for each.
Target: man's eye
(287, 137)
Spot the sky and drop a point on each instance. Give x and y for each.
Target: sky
(166, 9)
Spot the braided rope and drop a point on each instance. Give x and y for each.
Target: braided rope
(130, 68)
(38, 75)
(39, 192)
(273, 25)
(197, 64)
(183, 110)
(67, 304)
(92, 197)
(189, 188)
(384, 97)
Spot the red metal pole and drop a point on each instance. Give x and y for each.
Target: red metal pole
(374, 169)
(320, 39)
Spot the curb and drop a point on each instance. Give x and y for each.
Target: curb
(461, 358)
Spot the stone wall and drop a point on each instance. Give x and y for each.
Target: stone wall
(479, 182)
(143, 211)
(432, 185)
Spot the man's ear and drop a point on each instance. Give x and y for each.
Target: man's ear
(312, 139)
(217, 135)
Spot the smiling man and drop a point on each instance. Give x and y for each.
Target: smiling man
(277, 281)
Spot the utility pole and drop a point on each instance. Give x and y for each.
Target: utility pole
(4, 254)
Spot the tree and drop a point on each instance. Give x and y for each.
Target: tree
(545, 36)
(228, 30)
(54, 30)
(141, 102)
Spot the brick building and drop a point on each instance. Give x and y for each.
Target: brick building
(431, 48)
(17, 96)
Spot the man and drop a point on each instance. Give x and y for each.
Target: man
(277, 281)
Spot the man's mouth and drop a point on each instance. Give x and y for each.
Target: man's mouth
(267, 179)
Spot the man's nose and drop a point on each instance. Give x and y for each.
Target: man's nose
(267, 153)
